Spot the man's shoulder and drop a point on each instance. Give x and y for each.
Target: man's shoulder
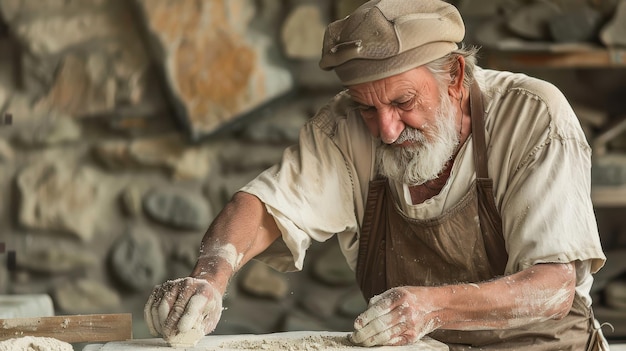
(504, 84)
(527, 102)
(338, 123)
(328, 117)
(518, 102)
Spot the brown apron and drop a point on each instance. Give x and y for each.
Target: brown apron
(465, 244)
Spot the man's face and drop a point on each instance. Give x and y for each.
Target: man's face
(416, 122)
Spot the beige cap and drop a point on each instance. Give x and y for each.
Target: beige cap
(383, 38)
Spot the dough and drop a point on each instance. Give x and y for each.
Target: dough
(186, 339)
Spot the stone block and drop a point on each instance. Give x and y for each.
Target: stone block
(178, 209)
(137, 259)
(216, 70)
(26, 306)
(614, 33)
(575, 25)
(531, 21)
(58, 196)
(303, 32)
(86, 296)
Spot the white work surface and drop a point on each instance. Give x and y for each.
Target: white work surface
(24, 306)
(291, 341)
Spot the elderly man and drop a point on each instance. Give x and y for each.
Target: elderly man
(459, 195)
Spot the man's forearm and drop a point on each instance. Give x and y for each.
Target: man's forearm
(242, 230)
(405, 314)
(539, 293)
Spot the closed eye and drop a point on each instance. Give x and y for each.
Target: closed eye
(406, 105)
(365, 111)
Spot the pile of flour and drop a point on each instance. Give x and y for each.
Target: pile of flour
(31, 343)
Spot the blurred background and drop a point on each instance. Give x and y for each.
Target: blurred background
(129, 123)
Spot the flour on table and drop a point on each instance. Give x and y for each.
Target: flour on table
(307, 343)
(333, 341)
(31, 343)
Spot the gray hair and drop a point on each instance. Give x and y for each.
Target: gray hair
(446, 67)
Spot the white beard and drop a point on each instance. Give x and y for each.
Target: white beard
(429, 153)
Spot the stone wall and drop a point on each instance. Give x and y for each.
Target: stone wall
(133, 122)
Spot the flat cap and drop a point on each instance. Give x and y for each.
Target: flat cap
(383, 38)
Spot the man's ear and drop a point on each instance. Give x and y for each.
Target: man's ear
(457, 75)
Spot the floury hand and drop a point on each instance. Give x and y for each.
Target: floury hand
(183, 310)
(395, 317)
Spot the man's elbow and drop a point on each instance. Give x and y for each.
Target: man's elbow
(560, 304)
(563, 309)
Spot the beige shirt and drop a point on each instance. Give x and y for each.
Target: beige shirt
(538, 158)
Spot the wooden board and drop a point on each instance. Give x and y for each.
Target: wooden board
(608, 196)
(71, 328)
(293, 341)
(550, 56)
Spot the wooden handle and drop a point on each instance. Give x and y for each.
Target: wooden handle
(71, 328)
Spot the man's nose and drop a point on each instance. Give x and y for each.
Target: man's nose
(389, 126)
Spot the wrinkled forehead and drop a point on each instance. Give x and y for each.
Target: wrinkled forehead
(417, 82)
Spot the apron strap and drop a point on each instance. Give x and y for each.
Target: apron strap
(478, 129)
(488, 213)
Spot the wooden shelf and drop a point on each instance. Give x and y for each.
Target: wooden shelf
(608, 196)
(553, 56)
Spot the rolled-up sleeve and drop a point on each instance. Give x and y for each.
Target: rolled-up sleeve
(310, 195)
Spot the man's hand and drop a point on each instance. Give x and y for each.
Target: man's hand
(395, 317)
(404, 315)
(187, 307)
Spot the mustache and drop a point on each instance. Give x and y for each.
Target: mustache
(410, 134)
